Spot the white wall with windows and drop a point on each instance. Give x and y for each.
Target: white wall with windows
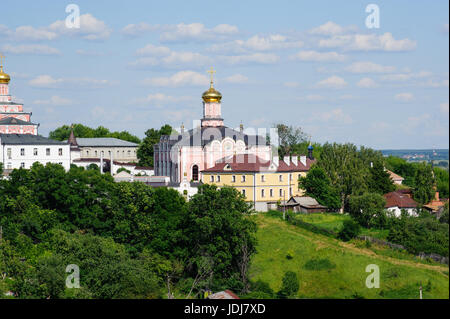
(17, 156)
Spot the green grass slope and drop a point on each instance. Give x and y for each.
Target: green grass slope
(329, 268)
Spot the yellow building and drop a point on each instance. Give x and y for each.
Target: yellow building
(263, 183)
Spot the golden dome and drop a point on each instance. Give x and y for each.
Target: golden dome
(4, 78)
(212, 95)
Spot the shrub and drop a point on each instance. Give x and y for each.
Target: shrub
(290, 285)
(349, 230)
(290, 254)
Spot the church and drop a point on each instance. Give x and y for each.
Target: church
(20, 144)
(184, 156)
(13, 119)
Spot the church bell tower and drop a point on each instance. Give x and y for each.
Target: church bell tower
(212, 115)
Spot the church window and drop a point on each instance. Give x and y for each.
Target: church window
(262, 192)
(195, 173)
(218, 178)
(212, 178)
(243, 192)
(9, 166)
(96, 153)
(281, 192)
(60, 152)
(233, 178)
(22, 152)
(262, 178)
(271, 192)
(22, 165)
(290, 177)
(47, 151)
(281, 178)
(35, 151)
(243, 178)
(8, 151)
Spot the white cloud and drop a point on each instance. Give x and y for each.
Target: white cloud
(236, 78)
(257, 43)
(368, 42)
(160, 99)
(291, 84)
(90, 28)
(314, 98)
(444, 108)
(400, 77)
(137, 29)
(38, 49)
(152, 50)
(434, 83)
(48, 82)
(54, 100)
(319, 56)
(89, 53)
(336, 116)
(404, 97)
(183, 78)
(366, 83)
(262, 58)
(163, 56)
(334, 82)
(369, 67)
(196, 32)
(331, 28)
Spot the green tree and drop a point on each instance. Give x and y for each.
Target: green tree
(344, 167)
(62, 133)
(423, 184)
(152, 137)
(288, 138)
(289, 286)
(218, 228)
(368, 209)
(350, 229)
(318, 185)
(379, 179)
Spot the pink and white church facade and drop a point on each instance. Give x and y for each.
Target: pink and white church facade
(183, 156)
(13, 120)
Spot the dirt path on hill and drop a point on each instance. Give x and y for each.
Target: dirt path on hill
(327, 242)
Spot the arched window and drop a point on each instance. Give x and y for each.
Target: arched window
(195, 173)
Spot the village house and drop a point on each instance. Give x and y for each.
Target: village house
(401, 200)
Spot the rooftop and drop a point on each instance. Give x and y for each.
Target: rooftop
(27, 139)
(103, 142)
(14, 121)
(400, 200)
(252, 163)
(205, 135)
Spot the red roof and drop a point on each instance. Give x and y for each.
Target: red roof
(252, 163)
(397, 199)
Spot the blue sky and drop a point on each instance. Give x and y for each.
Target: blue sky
(139, 64)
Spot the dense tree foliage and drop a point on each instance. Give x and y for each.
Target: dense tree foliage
(350, 229)
(368, 210)
(423, 184)
(409, 172)
(350, 170)
(129, 240)
(289, 286)
(145, 150)
(420, 234)
(318, 185)
(62, 133)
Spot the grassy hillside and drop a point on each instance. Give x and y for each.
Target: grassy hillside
(329, 268)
